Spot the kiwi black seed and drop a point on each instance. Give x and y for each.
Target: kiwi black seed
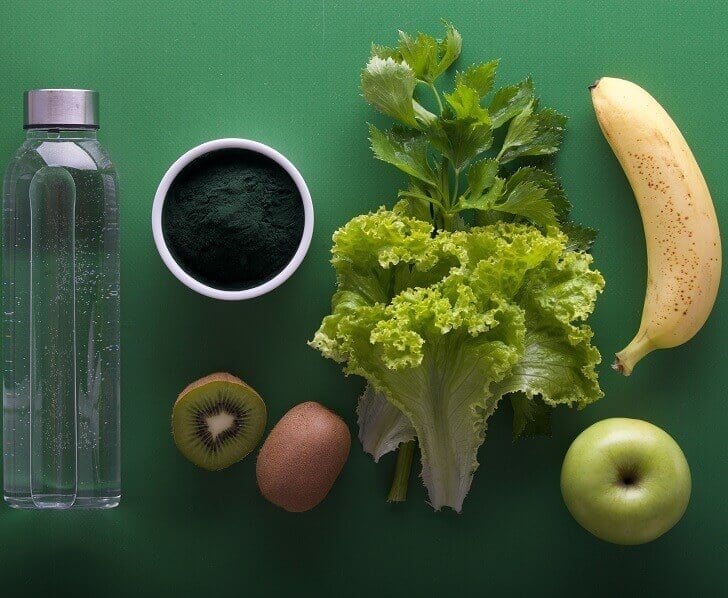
(217, 420)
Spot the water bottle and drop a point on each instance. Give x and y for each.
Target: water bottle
(60, 283)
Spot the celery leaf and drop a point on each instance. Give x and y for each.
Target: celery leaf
(509, 101)
(485, 201)
(420, 53)
(465, 101)
(449, 50)
(481, 176)
(528, 200)
(407, 150)
(479, 77)
(460, 140)
(533, 134)
(389, 86)
(581, 238)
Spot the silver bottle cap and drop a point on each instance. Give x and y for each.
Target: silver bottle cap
(48, 108)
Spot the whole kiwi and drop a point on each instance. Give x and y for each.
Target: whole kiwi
(302, 457)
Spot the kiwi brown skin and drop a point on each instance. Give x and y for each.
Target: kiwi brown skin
(302, 457)
(182, 433)
(216, 377)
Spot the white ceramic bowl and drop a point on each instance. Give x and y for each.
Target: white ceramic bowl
(163, 189)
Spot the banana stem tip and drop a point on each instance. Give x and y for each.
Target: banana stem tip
(617, 366)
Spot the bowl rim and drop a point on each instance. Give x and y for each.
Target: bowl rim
(160, 196)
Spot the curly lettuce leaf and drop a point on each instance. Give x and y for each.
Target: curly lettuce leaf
(382, 427)
(558, 364)
(531, 416)
(443, 326)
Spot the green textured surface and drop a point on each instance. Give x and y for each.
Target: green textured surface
(174, 74)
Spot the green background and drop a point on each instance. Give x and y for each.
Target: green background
(175, 74)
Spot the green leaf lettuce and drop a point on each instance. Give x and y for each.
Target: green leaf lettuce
(443, 326)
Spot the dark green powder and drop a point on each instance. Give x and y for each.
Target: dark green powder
(233, 219)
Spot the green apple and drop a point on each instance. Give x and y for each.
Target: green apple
(625, 480)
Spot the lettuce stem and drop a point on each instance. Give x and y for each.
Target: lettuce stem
(402, 471)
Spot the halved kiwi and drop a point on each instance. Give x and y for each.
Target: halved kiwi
(217, 420)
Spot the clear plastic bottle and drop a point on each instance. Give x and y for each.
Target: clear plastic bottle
(60, 283)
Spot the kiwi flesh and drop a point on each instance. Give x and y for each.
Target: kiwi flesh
(217, 420)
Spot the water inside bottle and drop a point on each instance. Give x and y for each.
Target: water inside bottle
(45, 478)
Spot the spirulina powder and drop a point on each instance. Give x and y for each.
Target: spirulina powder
(233, 219)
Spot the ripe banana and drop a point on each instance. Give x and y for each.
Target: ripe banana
(681, 229)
